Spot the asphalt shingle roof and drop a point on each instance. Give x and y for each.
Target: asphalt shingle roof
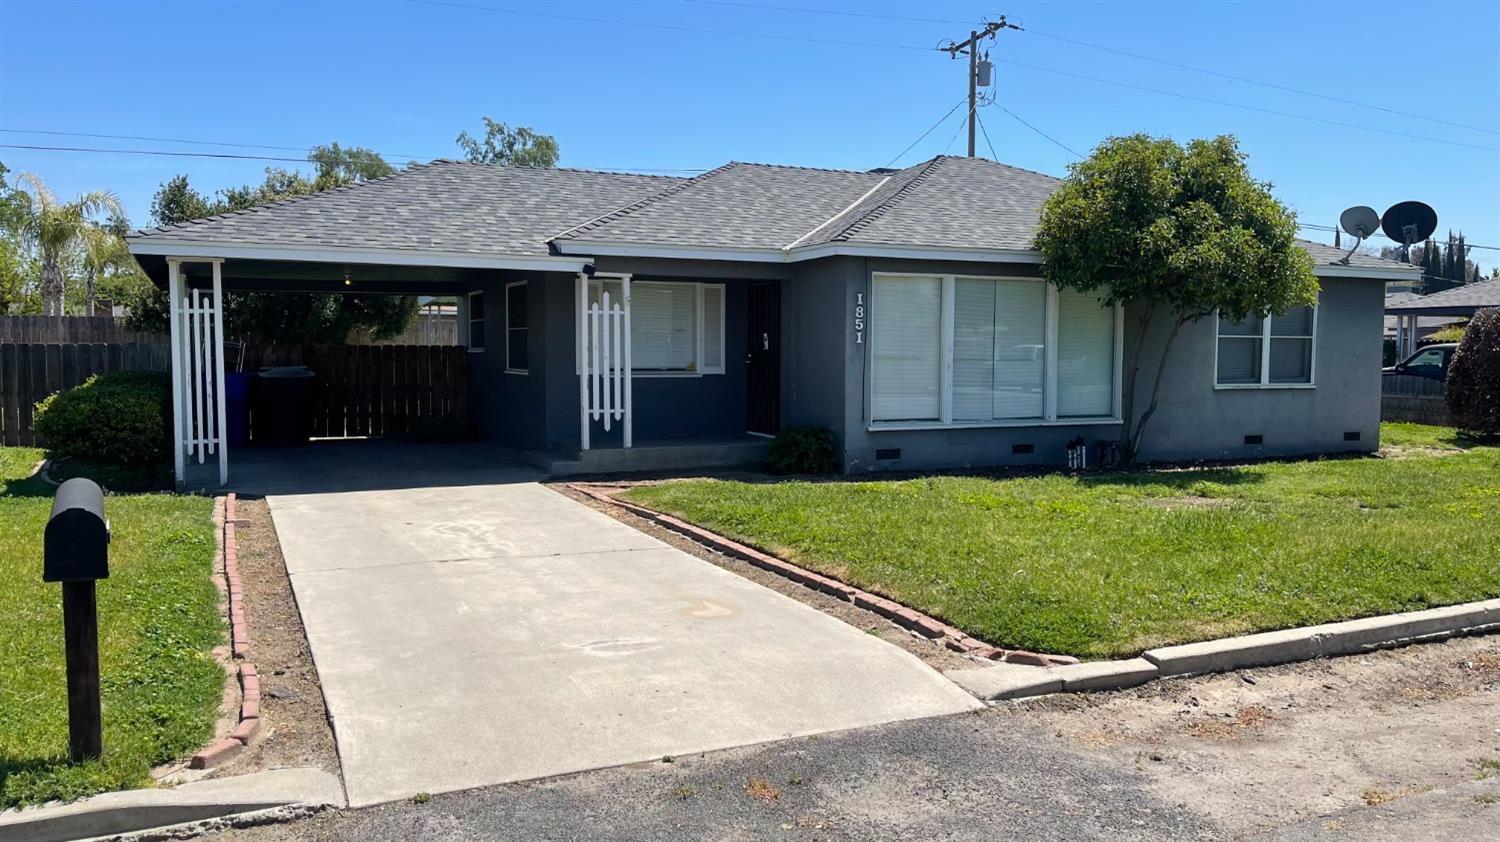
(447, 206)
(1475, 295)
(737, 205)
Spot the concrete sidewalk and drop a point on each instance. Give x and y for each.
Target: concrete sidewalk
(475, 634)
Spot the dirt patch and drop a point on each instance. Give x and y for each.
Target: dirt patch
(294, 723)
(932, 653)
(1259, 748)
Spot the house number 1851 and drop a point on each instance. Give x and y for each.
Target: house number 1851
(859, 318)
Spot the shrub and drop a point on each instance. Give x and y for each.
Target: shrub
(804, 450)
(1474, 377)
(118, 418)
(1451, 333)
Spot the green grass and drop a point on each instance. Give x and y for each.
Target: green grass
(158, 623)
(1107, 565)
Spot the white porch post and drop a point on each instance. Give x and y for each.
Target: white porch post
(216, 350)
(174, 319)
(626, 362)
(583, 361)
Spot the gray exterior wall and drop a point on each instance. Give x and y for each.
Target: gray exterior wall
(1193, 421)
(1197, 421)
(824, 376)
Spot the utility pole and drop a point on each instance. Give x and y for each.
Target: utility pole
(971, 49)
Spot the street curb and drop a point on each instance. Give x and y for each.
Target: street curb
(132, 811)
(248, 723)
(1279, 647)
(908, 618)
(1350, 637)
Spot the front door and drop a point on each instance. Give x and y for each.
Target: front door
(763, 359)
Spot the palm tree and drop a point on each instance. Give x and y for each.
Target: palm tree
(56, 230)
(105, 255)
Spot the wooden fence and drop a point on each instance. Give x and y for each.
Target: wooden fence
(69, 329)
(1406, 397)
(391, 391)
(30, 371)
(408, 391)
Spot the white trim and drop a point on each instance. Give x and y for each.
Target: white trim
(584, 247)
(1081, 421)
(174, 328)
(510, 369)
(469, 326)
(829, 220)
(217, 349)
(1050, 331)
(1389, 273)
(1265, 339)
(198, 250)
(801, 253)
(971, 255)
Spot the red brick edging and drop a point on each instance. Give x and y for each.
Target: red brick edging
(909, 618)
(220, 751)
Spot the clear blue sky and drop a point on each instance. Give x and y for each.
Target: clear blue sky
(404, 77)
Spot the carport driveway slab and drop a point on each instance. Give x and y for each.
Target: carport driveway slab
(487, 633)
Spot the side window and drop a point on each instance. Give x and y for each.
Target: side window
(1431, 357)
(476, 321)
(516, 321)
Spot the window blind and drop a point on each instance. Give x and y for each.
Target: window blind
(1085, 355)
(663, 320)
(1020, 348)
(906, 322)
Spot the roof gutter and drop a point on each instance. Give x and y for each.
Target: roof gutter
(198, 249)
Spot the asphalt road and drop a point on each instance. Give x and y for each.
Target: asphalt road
(961, 777)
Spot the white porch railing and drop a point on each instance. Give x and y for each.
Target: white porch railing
(197, 336)
(604, 387)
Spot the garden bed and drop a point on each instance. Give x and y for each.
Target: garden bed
(1104, 565)
(159, 622)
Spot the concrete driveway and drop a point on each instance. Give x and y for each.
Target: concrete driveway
(472, 627)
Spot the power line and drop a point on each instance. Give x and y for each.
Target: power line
(1262, 83)
(986, 132)
(1128, 54)
(192, 142)
(1316, 227)
(930, 129)
(956, 132)
(1018, 119)
(1254, 108)
(695, 30)
(276, 158)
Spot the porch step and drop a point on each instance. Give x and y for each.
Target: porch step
(651, 456)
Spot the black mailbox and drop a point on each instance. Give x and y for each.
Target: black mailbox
(76, 544)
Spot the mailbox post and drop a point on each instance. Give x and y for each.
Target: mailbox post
(76, 553)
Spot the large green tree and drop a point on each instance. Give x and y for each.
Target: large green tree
(1174, 232)
(282, 316)
(501, 144)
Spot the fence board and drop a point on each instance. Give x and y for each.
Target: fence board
(70, 330)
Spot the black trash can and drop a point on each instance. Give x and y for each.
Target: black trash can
(281, 405)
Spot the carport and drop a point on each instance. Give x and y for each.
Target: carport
(1465, 300)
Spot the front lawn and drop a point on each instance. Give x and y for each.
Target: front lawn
(1108, 565)
(158, 624)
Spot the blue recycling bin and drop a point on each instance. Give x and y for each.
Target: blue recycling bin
(237, 409)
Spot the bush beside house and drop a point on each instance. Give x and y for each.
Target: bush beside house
(1473, 385)
(119, 418)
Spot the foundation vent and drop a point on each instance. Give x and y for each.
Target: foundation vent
(1255, 440)
(1020, 449)
(1352, 435)
(886, 454)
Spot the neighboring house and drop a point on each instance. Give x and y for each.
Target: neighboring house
(1451, 305)
(1426, 325)
(903, 310)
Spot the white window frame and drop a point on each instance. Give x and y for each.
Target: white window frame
(511, 369)
(1049, 416)
(471, 319)
(698, 334)
(1265, 355)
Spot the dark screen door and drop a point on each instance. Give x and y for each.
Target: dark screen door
(763, 359)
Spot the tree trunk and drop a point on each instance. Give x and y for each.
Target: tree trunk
(52, 286)
(88, 290)
(1161, 367)
(1128, 399)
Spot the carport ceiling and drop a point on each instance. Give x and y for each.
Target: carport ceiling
(288, 276)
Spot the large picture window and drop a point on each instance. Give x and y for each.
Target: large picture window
(1266, 351)
(675, 327)
(975, 351)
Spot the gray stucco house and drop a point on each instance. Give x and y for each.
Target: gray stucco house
(628, 321)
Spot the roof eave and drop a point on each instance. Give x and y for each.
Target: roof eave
(170, 247)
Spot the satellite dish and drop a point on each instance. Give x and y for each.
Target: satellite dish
(1409, 222)
(1359, 221)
